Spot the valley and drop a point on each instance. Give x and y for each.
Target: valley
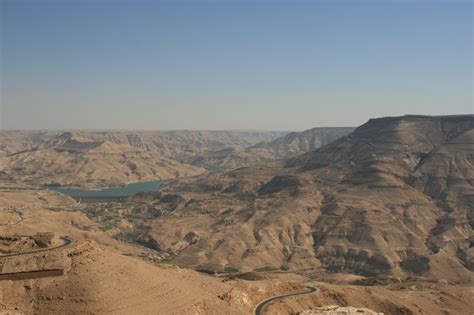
(379, 218)
(236, 157)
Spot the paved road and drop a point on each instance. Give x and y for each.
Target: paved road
(67, 242)
(34, 274)
(260, 307)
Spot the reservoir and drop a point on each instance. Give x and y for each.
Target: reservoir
(113, 193)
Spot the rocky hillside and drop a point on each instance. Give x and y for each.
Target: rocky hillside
(183, 146)
(12, 141)
(286, 146)
(296, 143)
(177, 151)
(72, 159)
(179, 144)
(101, 275)
(392, 198)
(97, 274)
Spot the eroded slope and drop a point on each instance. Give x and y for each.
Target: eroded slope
(394, 198)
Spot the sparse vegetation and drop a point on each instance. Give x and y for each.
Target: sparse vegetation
(127, 236)
(231, 269)
(265, 269)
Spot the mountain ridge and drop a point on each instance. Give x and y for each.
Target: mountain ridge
(409, 216)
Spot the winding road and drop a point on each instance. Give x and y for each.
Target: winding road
(34, 274)
(261, 306)
(67, 242)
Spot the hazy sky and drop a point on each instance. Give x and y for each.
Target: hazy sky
(287, 65)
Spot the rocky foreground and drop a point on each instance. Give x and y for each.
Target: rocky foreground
(340, 310)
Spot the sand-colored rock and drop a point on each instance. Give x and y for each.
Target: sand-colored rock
(98, 277)
(340, 310)
(388, 208)
(77, 160)
(393, 198)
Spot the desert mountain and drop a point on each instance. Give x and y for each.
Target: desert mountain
(72, 159)
(13, 141)
(37, 157)
(174, 143)
(97, 274)
(286, 146)
(180, 144)
(296, 143)
(392, 198)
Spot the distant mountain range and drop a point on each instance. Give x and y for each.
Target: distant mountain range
(96, 159)
(73, 159)
(283, 147)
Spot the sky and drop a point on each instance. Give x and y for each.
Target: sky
(259, 65)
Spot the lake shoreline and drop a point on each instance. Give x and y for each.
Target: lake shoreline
(111, 192)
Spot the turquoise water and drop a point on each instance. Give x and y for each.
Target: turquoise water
(124, 191)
